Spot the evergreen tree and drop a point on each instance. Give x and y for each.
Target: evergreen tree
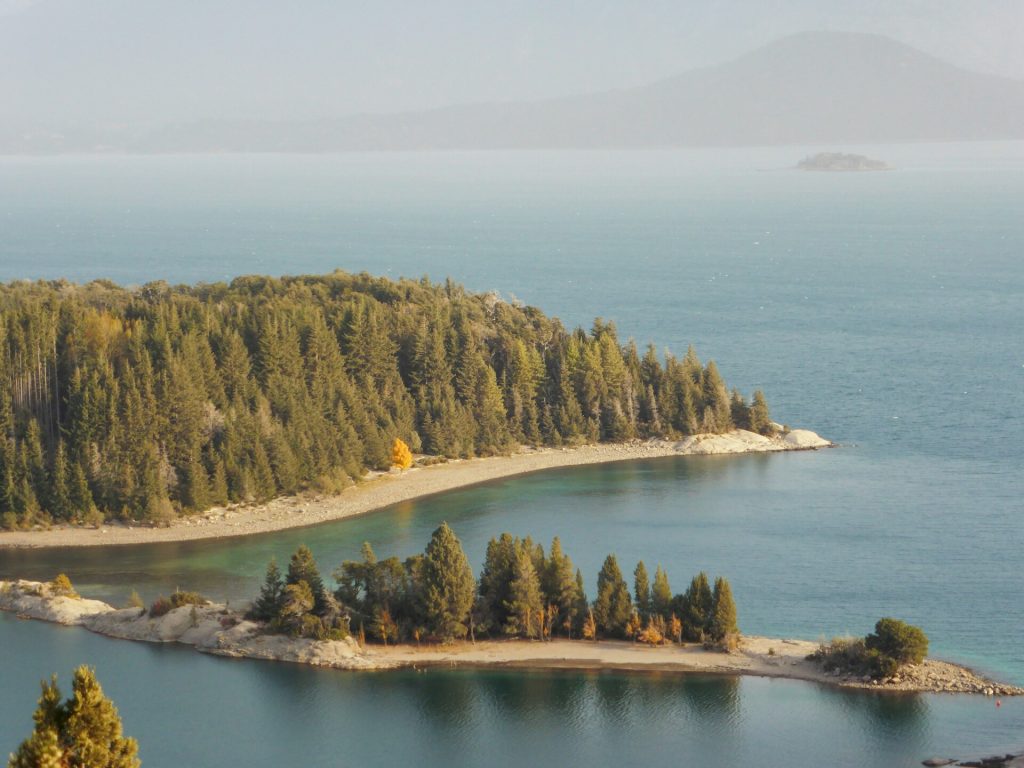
(760, 420)
(560, 589)
(495, 578)
(696, 607)
(582, 610)
(722, 623)
(267, 606)
(642, 591)
(296, 614)
(448, 585)
(612, 607)
(82, 732)
(661, 594)
(302, 567)
(524, 606)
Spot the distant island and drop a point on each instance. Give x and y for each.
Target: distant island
(839, 161)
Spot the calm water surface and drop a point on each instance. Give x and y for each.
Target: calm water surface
(884, 310)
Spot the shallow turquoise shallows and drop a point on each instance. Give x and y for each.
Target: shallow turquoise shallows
(884, 310)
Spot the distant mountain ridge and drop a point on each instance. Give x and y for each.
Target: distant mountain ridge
(809, 88)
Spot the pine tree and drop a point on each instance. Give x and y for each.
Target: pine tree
(524, 602)
(760, 420)
(448, 585)
(642, 590)
(82, 732)
(267, 607)
(297, 608)
(61, 506)
(582, 604)
(661, 594)
(722, 623)
(302, 567)
(612, 607)
(697, 604)
(495, 578)
(560, 588)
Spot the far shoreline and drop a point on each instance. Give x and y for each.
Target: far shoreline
(387, 489)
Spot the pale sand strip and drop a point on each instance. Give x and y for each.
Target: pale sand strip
(394, 487)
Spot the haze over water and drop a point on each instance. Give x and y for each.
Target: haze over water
(884, 310)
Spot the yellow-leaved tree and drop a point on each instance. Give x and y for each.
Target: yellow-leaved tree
(401, 456)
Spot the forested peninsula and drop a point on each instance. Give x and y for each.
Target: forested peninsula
(141, 405)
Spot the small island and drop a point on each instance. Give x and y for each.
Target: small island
(526, 609)
(839, 161)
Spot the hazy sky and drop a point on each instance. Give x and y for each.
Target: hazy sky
(151, 61)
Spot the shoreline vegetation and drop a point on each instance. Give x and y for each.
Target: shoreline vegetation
(384, 489)
(145, 405)
(220, 630)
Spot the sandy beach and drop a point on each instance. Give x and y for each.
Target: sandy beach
(390, 488)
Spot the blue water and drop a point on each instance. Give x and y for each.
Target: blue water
(884, 310)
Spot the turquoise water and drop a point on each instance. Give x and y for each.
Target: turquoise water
(884, 310)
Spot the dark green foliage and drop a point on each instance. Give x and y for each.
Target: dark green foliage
(695, 608)
(82, 732)
(142, 404)
(372, 591)
(881, 654)
(612, 607)
(524, 607)
(267, 606)
(642, 590)
(448, 586)
(661, 595)
(562, 591)
(302, 568)
(722, 620)
(759, 419)
(495, 581)
(903, 642)
(160, 607)
(296, 615)
(521, 593)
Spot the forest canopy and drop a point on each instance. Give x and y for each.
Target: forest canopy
(142, 404)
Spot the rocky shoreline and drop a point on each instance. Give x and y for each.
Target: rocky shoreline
(217, 629)
(381, 490)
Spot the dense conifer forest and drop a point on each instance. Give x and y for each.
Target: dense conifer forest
(142, 404)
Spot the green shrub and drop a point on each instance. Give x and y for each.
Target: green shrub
(879, 665)
(880, 655)
(903, 642)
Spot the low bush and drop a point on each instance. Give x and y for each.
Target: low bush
(160, 607)
(61, 587)
(881, 654)
(179, 598)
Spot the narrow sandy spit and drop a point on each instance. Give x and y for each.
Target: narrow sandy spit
(218, 629)
(394, 487)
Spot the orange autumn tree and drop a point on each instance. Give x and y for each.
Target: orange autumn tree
(401, 456)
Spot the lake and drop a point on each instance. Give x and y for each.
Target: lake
(884, 310)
